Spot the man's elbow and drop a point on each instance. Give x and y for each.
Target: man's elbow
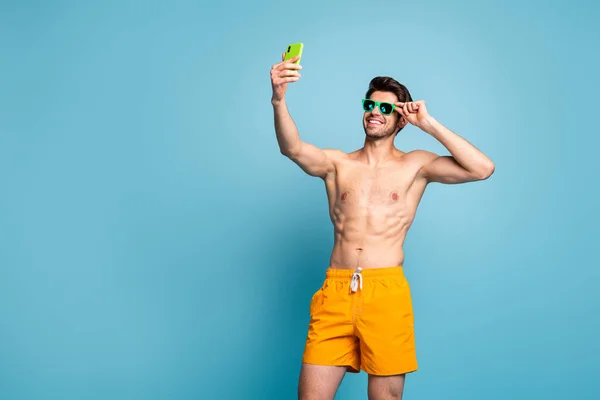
(485, 171)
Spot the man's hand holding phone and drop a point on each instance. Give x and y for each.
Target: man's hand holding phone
(283, 73)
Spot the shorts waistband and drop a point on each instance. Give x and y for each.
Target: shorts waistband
(341, 273)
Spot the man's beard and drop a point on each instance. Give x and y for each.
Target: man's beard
(379, 133)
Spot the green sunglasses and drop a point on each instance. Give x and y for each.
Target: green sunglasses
(384, 107)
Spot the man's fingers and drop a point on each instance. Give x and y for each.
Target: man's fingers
(287, 64)
(277, 68)
(407, 108)
(290, 75)
(404, 108)
(402, 113)
(291, 60)
(286, 72)
(281, 81)
(411, 107)
(290, 65)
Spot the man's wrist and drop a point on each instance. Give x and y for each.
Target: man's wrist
(277, 102)
(430, 125)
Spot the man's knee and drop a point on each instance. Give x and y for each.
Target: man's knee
(386, 388)
(388, 394)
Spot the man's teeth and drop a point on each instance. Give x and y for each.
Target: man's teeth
(372, 121)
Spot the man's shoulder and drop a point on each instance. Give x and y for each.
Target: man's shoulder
(420, 155)
(336, 154)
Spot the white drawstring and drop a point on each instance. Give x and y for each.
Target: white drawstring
(356, 279)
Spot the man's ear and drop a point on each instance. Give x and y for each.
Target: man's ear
(401, 122)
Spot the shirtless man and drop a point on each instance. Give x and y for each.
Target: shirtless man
(361, 318)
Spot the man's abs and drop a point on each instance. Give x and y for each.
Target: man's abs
(349, 255)
(369, 242)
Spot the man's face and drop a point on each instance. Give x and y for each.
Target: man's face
(378, 125)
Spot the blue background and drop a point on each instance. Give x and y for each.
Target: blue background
(154, 244)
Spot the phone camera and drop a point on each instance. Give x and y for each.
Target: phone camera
(289, 48)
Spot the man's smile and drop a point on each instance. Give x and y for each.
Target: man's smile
(374, 121)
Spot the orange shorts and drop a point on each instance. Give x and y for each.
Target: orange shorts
(369, 328)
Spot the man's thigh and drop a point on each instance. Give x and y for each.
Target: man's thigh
(386, 387)
(319, 382)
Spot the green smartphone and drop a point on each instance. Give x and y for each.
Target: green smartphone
(294, 50)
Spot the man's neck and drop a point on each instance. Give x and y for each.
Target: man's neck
(376, 152)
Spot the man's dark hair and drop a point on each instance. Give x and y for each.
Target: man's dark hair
(387, 84)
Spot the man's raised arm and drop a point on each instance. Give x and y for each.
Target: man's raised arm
(465, 164)
(311, 159)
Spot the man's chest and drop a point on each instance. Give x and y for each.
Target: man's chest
(369, 187)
